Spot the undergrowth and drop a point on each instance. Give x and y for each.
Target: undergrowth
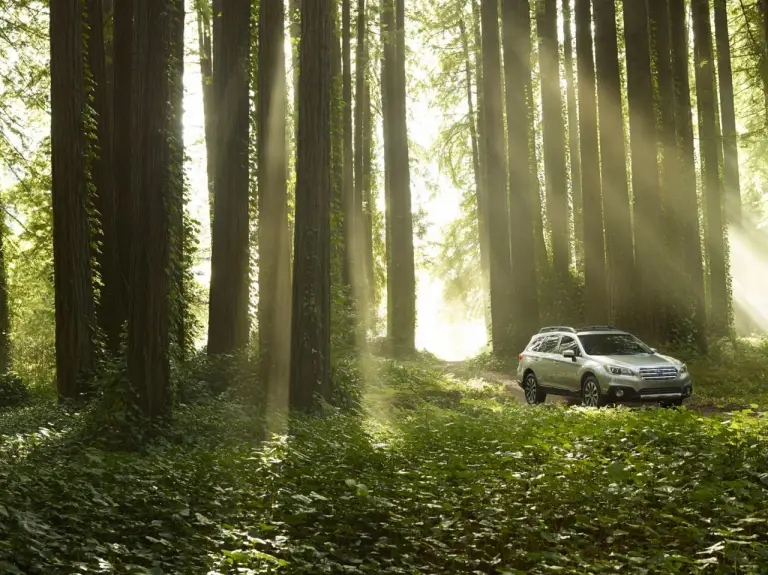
(422, 475)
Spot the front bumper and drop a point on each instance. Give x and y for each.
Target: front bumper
(619, 392)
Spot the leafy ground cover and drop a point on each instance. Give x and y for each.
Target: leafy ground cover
(436, 475)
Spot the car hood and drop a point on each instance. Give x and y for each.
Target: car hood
(645, 360)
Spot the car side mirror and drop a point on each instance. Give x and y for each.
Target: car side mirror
(569, 353)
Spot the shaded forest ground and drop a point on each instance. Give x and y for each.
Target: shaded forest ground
(423, 472)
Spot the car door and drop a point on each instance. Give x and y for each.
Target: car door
(547, 361)
(566, 370)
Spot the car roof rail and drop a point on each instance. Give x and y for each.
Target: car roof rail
(557, 328)
(599, 328)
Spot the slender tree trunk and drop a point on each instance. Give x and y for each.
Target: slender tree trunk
(649, 248)
(102, 178)
(348, 174)
(573, 134)
(148, 333)
(228, 312)
(386, 32)
(618, 221)
(71, 238)
(482, 179)
(498, 221)
(368, 193)
(274, 241)
(595, 308)
(517, 61)
(310, 326)
(206, 75)
(730, 134)
(707, 106)
(554, 138)
(294, 9)
(764, 56)
(123, 148)
(684, 202)
(5, 312)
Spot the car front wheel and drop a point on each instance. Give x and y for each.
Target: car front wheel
(591, 396)
(533, 393)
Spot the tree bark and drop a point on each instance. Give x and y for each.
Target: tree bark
(525, 300)
(649, 248)
(554, 139)
(498, 220)
(348, 174)
(618, 221)
(573, 135)
(209, 110)
(719, 303)
(71, 238)
(595, 308)
(684, 202)
(148, 333)
(274, 242)
(294, 8)
(731, 181)
(228, 311)
(310, 325)
(5, 312)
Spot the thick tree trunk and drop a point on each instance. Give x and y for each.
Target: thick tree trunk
(649, 248)
(719, 300)
(206, 75)
(495, 166)
(553, 138)
(71, 238)
(684, 202)
(618, 221)
(348, 174)
(148, 332)
(310, 325)
(730, 134)
(102, 175)
(274, 241)
(386, 34)
(228, 313)
(525, 301)
(124, 150)
(595, 308)
(573, 135)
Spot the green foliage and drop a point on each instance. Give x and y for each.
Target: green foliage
(13, 392)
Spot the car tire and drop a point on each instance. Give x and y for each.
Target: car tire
(534, 395)
(591, 396)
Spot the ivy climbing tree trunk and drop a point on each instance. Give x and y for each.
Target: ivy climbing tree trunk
(719, 300)
(311, 316)
(102, 177)
(595, 308)
(573, 134)
(498, 220)
(228, 322)
(525, 300)
(274, 242)
(618, 220)
(74, 308)
(148, 331)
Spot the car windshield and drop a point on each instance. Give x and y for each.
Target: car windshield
(613, 344)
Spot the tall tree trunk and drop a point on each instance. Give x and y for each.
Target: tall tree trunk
(517, 61)
(764, 56)
(707, 106)
(203, 9)
(649, 249)
(386, 33)
(310, 324)
(554, 138)
(228, 313)
(595, 308)
(123, 148)
(274, 241)
(684, 202)
(102, 177)
(730, 134)
(348, 174)
(573, 134)
(498, 221)
(71, 238)
(179, 311)
(294, 10)
(5, 312)
(618, 221)
(368, 192)
(148, 332)
(482, 177)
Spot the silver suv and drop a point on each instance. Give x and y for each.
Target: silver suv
(599, 365)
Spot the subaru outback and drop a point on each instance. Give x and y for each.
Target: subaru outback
(599, 365)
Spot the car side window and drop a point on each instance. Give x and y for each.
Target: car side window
(550, 344)
(535, 344)
(569, 343)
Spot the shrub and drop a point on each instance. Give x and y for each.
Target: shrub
(13, 392)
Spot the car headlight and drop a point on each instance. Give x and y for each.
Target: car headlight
(616, 370)
(683, 369)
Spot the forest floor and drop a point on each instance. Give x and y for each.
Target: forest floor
(436, 471)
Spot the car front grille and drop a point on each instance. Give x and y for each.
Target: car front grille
(658, 373)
